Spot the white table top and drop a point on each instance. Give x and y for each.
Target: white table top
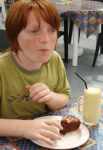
(86, 5)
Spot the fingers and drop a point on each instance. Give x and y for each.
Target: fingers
(52, 129)
(44, 130)
(55, 123)
(50, 135)
(39, 92)
(41, 95)
(45, 98)
(37, 88)
(45, 140)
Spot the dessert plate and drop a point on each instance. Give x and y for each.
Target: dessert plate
(70, 140)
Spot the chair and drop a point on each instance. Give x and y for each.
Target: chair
(67, 36)
(99, 46)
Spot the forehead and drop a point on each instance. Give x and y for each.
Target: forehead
(33, 19)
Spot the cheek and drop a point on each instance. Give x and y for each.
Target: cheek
(22, 40)
(26, 43)
(53, 41)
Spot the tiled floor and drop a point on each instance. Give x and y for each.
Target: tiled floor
(93, 76)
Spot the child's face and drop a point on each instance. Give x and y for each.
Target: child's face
(37, 40)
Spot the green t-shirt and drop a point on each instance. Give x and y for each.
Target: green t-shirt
(14, 97)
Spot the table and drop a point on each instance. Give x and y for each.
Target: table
(86, 16)
(96, 133)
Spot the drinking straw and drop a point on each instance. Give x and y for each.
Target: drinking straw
(79, 76)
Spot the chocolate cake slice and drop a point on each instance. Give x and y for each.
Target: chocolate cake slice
(69, 123)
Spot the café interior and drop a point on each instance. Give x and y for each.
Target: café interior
(88, 62)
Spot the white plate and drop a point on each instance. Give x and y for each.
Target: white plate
(70, 140)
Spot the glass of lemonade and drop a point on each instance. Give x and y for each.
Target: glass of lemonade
(92, 105)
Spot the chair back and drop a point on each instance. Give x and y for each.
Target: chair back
(3, 9)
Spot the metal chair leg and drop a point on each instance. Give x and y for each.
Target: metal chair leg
(66, 39)
(101, 49)
(70, 31)
(97, 50)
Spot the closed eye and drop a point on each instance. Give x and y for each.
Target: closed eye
(52, 29)
(35, 31)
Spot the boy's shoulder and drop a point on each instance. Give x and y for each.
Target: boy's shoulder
(55, 56)
(4, 57)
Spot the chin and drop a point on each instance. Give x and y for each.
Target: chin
(45, 59)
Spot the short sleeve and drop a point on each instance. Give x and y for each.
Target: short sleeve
(63, 85)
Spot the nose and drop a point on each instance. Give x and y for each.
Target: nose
(45, 37)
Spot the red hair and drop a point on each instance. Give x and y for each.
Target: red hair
(18, 15)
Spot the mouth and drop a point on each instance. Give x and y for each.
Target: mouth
(44, 50)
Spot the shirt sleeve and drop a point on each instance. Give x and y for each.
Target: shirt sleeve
(63, 85)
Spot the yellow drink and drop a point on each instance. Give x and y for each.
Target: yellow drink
(91, 107)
